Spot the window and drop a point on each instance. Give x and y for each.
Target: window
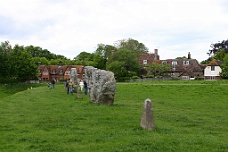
(185, 77)
(174, 63)
(144, 61)
(45, 73)
(60, 71)
(53, 71)
(212, 68)
(185, 62)
(67, 73)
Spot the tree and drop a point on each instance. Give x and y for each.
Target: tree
(24, 66)
(133, 45)
(84, 56)
(123, 63)
(5, 66)
(216, 47)
(39, 52)
(184, 57)
(157, 69)
(220, 55)
(224, 67)
(103, 52)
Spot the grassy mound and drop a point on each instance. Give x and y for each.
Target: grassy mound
(189, 116)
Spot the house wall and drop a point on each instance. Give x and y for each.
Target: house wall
(208, 72)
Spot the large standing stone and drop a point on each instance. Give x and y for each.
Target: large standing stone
(101, 84)
(74, 75)
(147, 121)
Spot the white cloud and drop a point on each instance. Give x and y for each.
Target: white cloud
(69, 27)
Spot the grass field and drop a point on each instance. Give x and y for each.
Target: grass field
(189, 116)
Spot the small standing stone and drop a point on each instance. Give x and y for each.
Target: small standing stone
(147, 121)
(79, 93)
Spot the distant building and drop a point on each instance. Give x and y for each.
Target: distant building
(212, 70)
(148, 58)
(184, 68)
(58, 72)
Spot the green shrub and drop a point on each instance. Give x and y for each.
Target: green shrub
(135, 77)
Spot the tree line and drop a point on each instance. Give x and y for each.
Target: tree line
(20, 63)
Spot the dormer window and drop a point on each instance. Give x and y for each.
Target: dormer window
(185, 62)
(144, 61)
(53, 71)
(174, 64)
(60, 71)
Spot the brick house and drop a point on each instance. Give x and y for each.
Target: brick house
(185, 68)
(150, 58)
(58, 72)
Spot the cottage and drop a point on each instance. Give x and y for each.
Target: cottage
(212, 70)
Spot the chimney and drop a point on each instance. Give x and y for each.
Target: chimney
(189, 55)
(156, 56)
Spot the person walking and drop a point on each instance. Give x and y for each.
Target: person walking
(71, 85)
(53, 83)
(85, 87)
(81, 84)
(67, 86)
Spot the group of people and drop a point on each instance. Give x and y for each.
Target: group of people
(70, 86)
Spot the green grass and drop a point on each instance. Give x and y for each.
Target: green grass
(189, 116)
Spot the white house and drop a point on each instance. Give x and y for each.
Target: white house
(212, 70)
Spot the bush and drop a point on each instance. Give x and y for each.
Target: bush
(123, 79)
(135, 77)
(62, 80)
(8, 80)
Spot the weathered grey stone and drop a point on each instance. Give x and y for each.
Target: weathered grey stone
(147, 121)
(74, 75)
(101, 85)
(79, 92)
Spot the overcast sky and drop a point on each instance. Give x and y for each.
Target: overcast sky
(68, 27)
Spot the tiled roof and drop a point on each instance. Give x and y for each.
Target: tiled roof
(215, 63)
(192, 66)
(149, 57)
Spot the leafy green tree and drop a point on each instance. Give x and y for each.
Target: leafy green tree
(102, 54)
(53, 62)
(39, 52)
(126, 63)
(133, 45)
(23, 65)
(206, 61)
(40, 60)
(216, 47)
(220, 55)
(184, 57)
(99, 61)
(224, 66)
(157, 69)
(5, 66)
(84, 56)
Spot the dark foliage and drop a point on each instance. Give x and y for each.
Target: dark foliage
(216, 47)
